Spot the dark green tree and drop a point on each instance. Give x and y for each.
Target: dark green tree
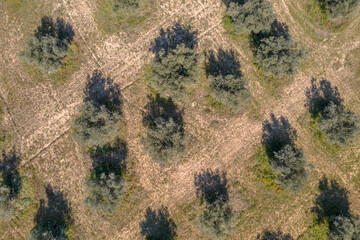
(105, 188)
(175, 73)
(344, 228)
(164, 130)
(47, 47)
(227, 83)
(340, 126)
(289, 165)
(279, 56)
(251, 15)
(96, 126)
(339, 8)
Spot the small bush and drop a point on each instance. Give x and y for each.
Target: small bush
(47, 47)
(105, 188)
(175, 73)
(216, 219)
(6, 203)
(279, 57)
(338, 8)
(289, 166)
(125, 4)
(340, 126)
(96, 126)
(251, 15)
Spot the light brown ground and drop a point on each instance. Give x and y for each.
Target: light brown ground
(43, 113)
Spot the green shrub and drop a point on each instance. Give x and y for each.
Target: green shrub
(216, 219)
(289, 166)
(279, 57)
(338, 8)
(251, 16)
(96, 126)
(175, 73)
(47, 47)
(340, 126)
(105, 188)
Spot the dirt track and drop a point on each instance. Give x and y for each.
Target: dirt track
(43, 123)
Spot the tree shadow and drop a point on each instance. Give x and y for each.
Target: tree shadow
(211, 186)
(55, 216)
(278, 30)
(227, 2)
(158, 225)
(172, 37)
(319, 95)
(101, 90)
(332, 200)
(60, 29)
(224, 63)
(159, 107)
(112, 154)
(270, 235)
(277, 133)
(9, 171)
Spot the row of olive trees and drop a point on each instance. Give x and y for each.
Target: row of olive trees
(276, 54)
(97, 130)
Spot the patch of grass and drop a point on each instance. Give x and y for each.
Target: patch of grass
(216, 105)
(71, 63)
(13, 5)
(317, 231)
(264, 172)
(110, 22)
(321, 138)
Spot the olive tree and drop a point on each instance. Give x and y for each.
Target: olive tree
(338, 125)
(339, 8)
(48, 46)
(251, 15)
(344, 228)
(105, 188)
(279, 56)
(175, 73)
(289, 165)
(229, 90)
(96, 126)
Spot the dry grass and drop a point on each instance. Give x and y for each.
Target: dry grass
(41, 112)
